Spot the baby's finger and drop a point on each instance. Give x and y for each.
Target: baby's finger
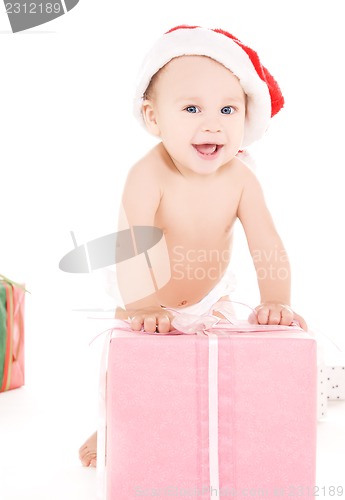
(301, 322)
(137, 322)
(286, 316)
(150, 323)
(252, 318)
(262, 315)
(163, 323)
(274, 317)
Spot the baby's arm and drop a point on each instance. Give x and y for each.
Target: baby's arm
(140, 201)
(269, 256)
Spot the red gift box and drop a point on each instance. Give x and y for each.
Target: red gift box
(13, 341)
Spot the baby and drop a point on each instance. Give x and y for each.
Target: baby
(206, 96)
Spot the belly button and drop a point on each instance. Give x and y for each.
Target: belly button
(184, 302)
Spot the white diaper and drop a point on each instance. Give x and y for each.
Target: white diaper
(224, 287)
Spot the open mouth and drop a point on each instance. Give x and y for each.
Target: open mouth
(207, 149)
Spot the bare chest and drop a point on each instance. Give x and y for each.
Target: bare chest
(199, 213)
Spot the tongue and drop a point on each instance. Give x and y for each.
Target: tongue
(206, 149)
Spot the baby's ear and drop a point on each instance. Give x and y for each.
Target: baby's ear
(149, 115)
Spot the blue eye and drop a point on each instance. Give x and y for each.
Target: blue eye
(227, 110)
(192, 109)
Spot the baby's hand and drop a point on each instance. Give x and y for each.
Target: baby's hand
(272, 313)
(152, 318)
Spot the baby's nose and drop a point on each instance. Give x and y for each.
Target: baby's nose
(211, 125)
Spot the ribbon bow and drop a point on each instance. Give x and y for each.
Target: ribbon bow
(199, 324)
(207, 323)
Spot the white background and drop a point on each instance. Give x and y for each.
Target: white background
(68, 138)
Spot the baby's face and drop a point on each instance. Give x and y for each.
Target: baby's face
(198, 110)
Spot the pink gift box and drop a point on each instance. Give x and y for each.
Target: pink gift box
(219, 414)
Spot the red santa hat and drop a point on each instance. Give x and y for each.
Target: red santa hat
(264, 97)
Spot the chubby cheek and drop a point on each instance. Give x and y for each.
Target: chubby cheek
(236, 134)
(176, 134)
(178, 145)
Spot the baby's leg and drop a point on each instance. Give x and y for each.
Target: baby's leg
(88, 452)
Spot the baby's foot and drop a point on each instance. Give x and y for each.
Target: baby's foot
(88, 452)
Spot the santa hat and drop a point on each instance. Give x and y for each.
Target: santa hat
(264, 98)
